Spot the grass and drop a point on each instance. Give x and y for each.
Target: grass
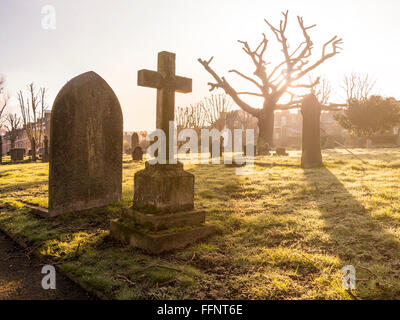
(283, 232)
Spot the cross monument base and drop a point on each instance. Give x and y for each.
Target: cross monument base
(163, 216)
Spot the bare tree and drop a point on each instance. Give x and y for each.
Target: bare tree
(274, 82)
(192, 116)
(210, 112)
(13, 122)
(322, 91)
(357, 86)
(217, 107)
(33, 108)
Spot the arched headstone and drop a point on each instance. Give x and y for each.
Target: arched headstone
(134, 140)
(85, 146)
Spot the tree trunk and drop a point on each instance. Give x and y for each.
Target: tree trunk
(33, 148)
(266, 130)
(311, 140)
(12, 143)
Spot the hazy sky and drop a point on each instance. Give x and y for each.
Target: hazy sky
(117, 38)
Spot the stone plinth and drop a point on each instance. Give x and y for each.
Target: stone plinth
(164, 188)
(163, 216)
(157, 221)
(156, 243)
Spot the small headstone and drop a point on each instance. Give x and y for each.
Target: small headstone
(137, 154)
(85, 146)
(281, 152)
(17, 154)
(263, 149)
(45, 155)
(134, 140)
(311, 156)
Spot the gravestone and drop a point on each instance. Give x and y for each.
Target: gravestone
(17, 154)
(85, 146)
(311, 156)
(281, 152)
(137, 154)
(163, 216)
(134, 140)
(45, 155)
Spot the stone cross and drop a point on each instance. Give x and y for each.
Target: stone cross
(166, 82)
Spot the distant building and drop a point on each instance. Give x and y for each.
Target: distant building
(22, 140)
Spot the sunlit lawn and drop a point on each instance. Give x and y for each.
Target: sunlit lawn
(283, 232)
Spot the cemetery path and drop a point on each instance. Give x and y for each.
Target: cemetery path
(21, 277)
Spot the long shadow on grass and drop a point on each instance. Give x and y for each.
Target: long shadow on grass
(356, 237)
(22, 186)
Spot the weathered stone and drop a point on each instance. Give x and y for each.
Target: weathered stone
(166, 82)
(17, 154)
(45, 156)
(156, 243)
(311, 156)
(159, 221)
(164, 188)
(85, 146)
(163, 193)
(137, 154)
(134, 140)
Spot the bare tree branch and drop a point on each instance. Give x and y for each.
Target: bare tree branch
(357, 86)
(223, 84)
(275, 81)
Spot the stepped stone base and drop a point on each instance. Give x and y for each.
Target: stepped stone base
(157, 221)
(163, 216)
(158, 242)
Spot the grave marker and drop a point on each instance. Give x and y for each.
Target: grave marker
(85, 146)
(311, 156)
(163, 193)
